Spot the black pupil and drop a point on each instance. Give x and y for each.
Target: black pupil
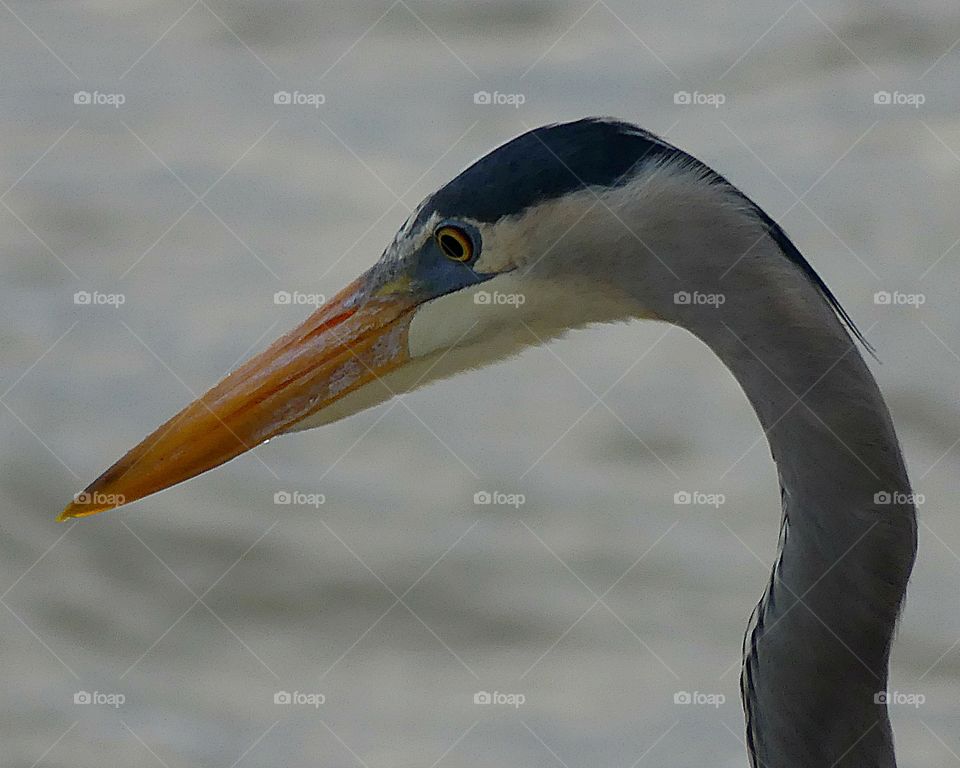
(452, 246)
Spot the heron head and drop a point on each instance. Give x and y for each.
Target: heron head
(490, 263)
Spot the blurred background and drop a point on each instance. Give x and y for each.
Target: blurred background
(168, 168)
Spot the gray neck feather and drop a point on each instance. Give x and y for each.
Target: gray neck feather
(817, 648)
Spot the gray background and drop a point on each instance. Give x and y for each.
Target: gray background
(199, 604)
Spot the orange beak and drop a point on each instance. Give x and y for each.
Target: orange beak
(347, 343)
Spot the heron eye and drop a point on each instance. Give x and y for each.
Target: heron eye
(455, 243)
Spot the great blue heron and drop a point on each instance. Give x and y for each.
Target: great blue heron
(599, 221)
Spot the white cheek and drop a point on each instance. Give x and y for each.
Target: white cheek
(466, 314)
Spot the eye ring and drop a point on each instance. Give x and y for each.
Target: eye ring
(454, 242)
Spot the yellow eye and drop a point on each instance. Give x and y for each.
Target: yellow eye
(455, 243)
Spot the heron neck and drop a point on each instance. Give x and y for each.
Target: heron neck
(696, 254)
(817, 648)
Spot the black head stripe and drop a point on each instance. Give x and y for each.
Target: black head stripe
(544, 164)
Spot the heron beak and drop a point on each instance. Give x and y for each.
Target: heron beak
(348, 343)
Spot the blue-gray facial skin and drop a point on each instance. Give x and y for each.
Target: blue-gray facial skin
(428, 272)
(433, 273)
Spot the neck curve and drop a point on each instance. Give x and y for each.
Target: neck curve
(817, 647)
